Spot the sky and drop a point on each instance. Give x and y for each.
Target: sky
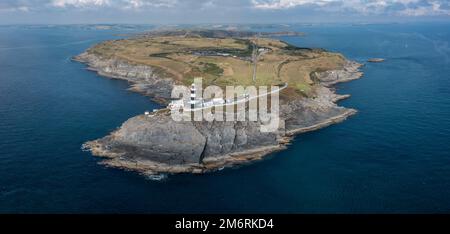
(220, 11)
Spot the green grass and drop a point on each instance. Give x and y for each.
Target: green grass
(304, 89)
(212, 69)
(174, 57)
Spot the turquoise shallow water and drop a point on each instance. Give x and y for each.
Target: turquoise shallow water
(392, 157)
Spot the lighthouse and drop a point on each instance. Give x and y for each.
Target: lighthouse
(193, 96)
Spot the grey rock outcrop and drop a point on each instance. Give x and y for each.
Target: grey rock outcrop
(348, 73)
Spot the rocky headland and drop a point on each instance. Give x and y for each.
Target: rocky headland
(153, 144)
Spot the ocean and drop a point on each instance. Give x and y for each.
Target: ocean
(392, 157)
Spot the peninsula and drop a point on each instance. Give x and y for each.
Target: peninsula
(153, 63)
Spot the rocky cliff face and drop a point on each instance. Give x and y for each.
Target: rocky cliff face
(143, 79)
(158, 144)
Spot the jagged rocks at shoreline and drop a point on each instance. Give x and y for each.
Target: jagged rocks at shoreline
(143, 79)
(158, 144)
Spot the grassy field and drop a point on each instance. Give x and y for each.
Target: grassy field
(225, 61)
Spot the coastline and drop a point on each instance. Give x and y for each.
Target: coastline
(326, 123)
(145, 81)
(142, 79)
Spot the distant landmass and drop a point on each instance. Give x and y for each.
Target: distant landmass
(376, 60)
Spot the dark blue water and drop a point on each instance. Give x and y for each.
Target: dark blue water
(393, 157)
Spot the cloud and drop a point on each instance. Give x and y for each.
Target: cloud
(18, 5)
(118, 4)
(285, 4)
(12, 9)
(410, 8)
(434, 8)
(80, 3)
(139, 4)
(364, 7)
